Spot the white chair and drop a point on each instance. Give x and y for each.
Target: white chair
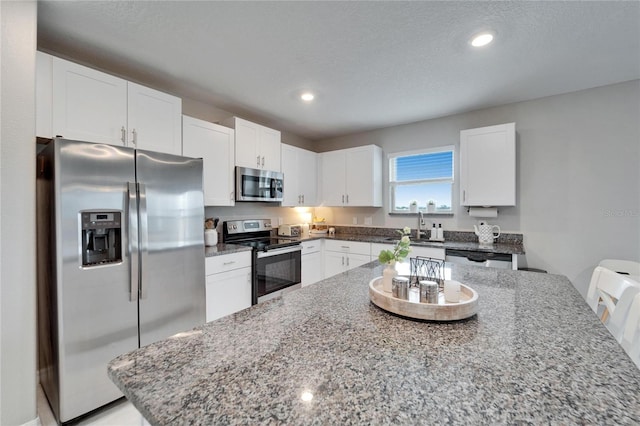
(631, 333)
(624, 267)
(611, 294)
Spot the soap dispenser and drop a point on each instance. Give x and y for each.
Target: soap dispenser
(440, 232)
(434, 232)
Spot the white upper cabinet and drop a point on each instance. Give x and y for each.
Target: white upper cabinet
(93, 106)
(215, 145)
(257, 146)
(154, 120)
(44, 111)
(488, 166)
(352, 177)
(88, 105)
(300, 168)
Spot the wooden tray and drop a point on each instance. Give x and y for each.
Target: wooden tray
(442, 311)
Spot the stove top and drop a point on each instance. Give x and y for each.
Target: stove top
(269, 243)
(254, 233)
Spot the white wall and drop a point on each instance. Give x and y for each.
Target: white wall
(244, 210)
(17, 214)
(578, 175)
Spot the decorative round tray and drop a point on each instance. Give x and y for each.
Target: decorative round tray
(412, 308)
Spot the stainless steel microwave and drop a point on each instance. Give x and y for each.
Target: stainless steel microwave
(258, 185)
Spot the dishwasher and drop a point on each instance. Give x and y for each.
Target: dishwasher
(478, 258)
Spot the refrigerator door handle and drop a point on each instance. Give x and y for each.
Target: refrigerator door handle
(144, 240)
(132, 224)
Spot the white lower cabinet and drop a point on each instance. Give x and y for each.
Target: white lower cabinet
(341, 256)
(312, 260)
(228, 284)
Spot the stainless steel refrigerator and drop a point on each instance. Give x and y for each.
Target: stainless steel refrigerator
(120, 256)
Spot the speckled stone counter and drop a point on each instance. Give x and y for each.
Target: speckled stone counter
(222, 248)
(534, 353)
(502, 248)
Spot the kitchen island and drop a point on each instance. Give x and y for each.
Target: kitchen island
(325, 354)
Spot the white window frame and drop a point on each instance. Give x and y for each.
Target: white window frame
(394, 184)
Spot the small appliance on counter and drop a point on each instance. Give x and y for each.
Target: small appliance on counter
(486, 233)
(290, 230)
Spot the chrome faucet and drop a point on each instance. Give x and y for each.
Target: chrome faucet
(420, 225)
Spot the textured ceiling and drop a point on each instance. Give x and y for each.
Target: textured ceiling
(371, 64)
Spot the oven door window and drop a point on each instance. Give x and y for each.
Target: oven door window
(274, 273)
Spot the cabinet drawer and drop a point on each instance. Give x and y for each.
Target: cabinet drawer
(348, 246)
(227, 262)
(311, 246)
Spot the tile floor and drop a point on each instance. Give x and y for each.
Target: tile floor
(120, 413)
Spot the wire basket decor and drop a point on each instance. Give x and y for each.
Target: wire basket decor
(426, 268)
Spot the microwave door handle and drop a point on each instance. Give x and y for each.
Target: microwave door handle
(144, 242)
(132, 228)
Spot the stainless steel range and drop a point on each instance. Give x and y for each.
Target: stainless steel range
(276, 261)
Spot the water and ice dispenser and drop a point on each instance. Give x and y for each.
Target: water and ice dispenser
(101, 237)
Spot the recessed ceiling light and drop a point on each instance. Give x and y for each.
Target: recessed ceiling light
(306, 396)
(481, 39)
(307, 96)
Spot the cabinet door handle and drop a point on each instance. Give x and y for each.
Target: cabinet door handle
(347, 198)
(229, 263)
(262, 161)
(342, 198)
(123, 135)
(345, 247)
(298, 199)
(302, 198)
(231, 195)
(135, 137)
(310, 247)
(258, 161)
(347, 261)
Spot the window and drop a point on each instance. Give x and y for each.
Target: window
(421, 176)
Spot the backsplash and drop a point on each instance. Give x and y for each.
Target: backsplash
(461, 236)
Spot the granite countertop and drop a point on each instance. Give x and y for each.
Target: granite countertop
(535, 352)
(503, 248)
(222, 248)
(508, 245)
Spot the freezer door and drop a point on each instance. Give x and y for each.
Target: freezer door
(172, 278)
(96, 319)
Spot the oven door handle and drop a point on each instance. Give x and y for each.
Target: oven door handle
(275, 252)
